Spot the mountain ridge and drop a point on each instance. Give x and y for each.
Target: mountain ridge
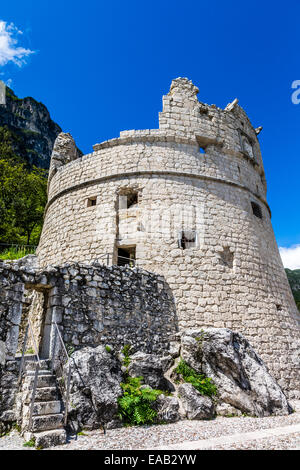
(29, 128)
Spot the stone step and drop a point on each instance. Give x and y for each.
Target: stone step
(46, 408)
(31, 364)
(46, 439)
(46, 394)
(43, 381)
(31, 373)
(52, 438)
(47, 422)
(43, 394)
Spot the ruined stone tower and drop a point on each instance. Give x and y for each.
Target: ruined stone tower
(188, 201)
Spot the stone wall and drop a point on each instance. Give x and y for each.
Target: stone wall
(201, 170)
(92, 304)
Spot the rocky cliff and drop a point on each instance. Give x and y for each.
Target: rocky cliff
(294, 280)
(31, 130)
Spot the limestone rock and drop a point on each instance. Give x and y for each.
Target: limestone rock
(167, 409)
(95, 378)
(223, 409)
(28, 261)
(151, 368)
(241, 377)
(64, 151)
(196, 405)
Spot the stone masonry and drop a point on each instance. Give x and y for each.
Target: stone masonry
(199, 218)
(91, 304)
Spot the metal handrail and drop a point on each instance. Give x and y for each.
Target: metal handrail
(57, 334)
(109, 256)
(133, 261)
(17, 244)
(29, 330)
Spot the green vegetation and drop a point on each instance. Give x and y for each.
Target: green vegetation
(203, 384)
(17, 427)
(108, 348)
(4, 433)
(23, 196)
(29, 351)
(70, 349)
(135, 404)
(30, 443)
(294, 280)
(11, 95)
(16, 252)
(126, 351)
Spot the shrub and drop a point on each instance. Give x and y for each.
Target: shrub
(203, 384)
(126, 351)
(135, 404)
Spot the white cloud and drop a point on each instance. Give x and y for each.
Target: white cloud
(290, 256)
(9, 51)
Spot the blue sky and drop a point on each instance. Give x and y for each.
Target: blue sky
(102, 67)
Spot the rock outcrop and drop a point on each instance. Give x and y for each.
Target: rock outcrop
(152, 368)
(64, 151)
(167, 409)
(31, 129)
(195, 405)
(241, 377)
(95, 387)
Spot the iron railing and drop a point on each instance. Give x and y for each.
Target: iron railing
(29, 331)
(62, 368)
(121, 260)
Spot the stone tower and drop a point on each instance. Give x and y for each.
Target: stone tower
(188, 201)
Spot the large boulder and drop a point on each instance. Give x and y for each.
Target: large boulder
(152, 369)
(241, 377)
(95, 387)
(167, 409)
(195, 405)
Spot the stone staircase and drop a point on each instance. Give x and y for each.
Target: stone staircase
(47, 427)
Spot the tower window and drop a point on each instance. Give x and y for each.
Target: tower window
(187, 239)
(128, 199)
(256, 209)
(92, 201)
(127, 256)
(132, 199)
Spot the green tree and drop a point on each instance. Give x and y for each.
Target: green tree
(23, 195)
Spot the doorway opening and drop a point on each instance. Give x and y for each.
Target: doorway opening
(34, 309)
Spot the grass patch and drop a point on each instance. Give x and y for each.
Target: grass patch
(16, 252)
(203, 384)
